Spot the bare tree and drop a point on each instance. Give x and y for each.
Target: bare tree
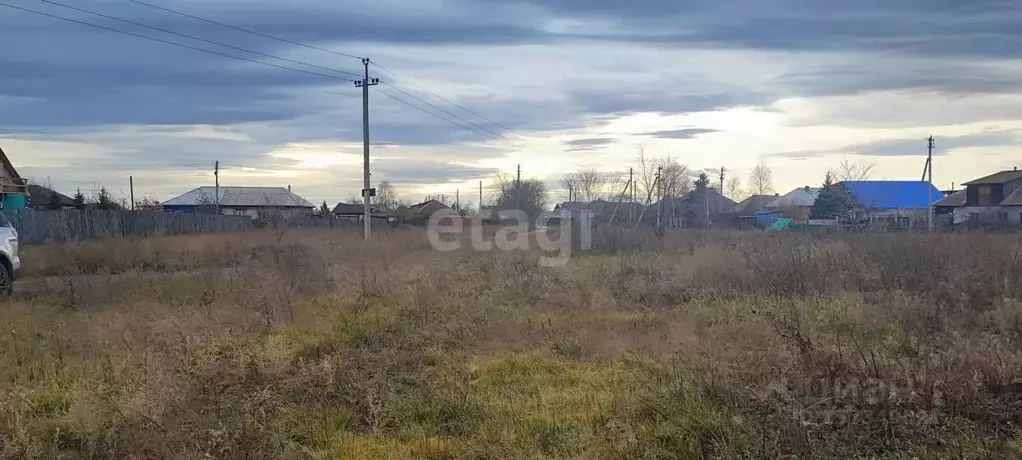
(761, 179)
(675, 181)
(733, 188)
(386, 198)
(586, 184)
(854, 170)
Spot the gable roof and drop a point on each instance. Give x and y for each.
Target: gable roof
(348, 208)
(997, 178)
(270, 197)
(754, 203)
(954, 200)
(8, 165)
(892, 194)
(802, 196)
(1015, 199)
(718, 203)
(424, 209)
(41, 197)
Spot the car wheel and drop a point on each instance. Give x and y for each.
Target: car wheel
(6, 283)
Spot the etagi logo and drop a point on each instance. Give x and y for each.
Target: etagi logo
(551, 233)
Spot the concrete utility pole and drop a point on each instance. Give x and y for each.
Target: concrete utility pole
(216, 187)
(457, 200)
(720, 203)
(518, 188)
(929, 185)
(366, 187)
(131, 186)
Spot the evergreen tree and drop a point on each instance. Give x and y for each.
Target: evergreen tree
(79, 199)
(324, 210)
(834, 200)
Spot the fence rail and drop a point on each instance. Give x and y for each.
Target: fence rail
(38, 226)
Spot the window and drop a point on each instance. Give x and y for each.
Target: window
(986, 195)
(4, 223)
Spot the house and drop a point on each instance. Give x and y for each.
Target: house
(893, 201)
(255, 202)
(992, 200)
(40, 197)
(600, 210)
(354, 213)
(795, 204)
(419, 214)
(690, 210)
(13, 189)
(745, 212)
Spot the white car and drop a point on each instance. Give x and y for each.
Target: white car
(10, 260)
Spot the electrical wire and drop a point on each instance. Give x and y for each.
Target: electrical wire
(412, 83)
(406, 93)
(466, 127)
(305, 45)
(168, 42)
(240, 29)
(192, 37)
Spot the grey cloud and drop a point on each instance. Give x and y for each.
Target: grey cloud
(917, 147)
(911, 146)
(405, 171)
(585, 144)
(684, 133)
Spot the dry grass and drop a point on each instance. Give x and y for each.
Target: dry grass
(309, 345)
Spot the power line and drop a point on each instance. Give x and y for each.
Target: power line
(192, 37)
(305, 45)
(469, 128)
(406, 93)
(445, 99)
(240, 29)
(167, 42)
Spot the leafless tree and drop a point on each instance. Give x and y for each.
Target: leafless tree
(854, 170)
(733, 188)
(586, 184)
(675, 181)
(761, 179)
(386, 198)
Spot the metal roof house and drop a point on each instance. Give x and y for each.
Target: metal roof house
(255, 202)
(992, 200)
(892, 194)
(795, 204)
(892, 201)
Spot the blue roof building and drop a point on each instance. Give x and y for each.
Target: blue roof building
(892, 194)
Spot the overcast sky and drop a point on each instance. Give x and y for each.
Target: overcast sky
(802, 84)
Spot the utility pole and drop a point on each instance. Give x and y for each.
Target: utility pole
(929, 185)
(480, 196)
(366, 187)
(457, 200)
(719, 203)
(216, 188)
(131, 186)
(518, 188)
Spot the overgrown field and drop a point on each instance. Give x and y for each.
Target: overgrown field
(307, 345)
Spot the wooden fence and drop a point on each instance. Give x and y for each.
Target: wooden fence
(37, 226)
